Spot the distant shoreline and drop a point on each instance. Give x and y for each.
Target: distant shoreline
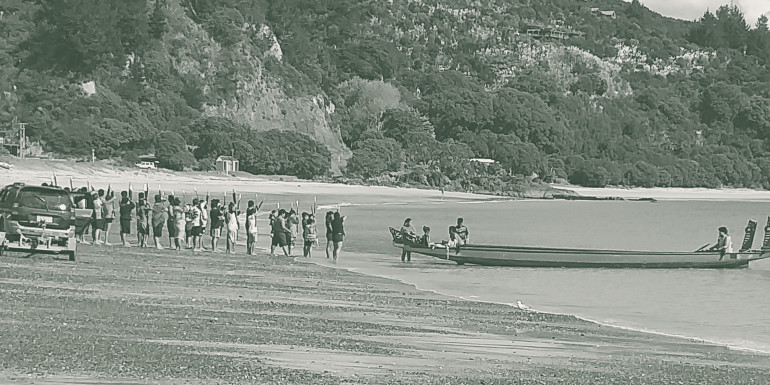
(103, 173)
(670, 193)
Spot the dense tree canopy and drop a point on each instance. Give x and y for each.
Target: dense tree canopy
(415, 89)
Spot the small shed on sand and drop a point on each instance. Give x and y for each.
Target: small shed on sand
(227, 164)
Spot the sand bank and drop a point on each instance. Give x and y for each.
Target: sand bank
(671, 193)
(103, 174)
(137, 316)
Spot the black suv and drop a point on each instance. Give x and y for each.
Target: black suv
(37, 219)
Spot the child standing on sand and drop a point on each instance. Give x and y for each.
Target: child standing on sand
(310, 235)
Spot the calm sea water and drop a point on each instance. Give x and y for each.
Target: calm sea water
(730, 307)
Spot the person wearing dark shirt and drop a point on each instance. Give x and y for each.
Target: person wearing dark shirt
(338, 233)
(280, 233)
(329, 233)
(126, 209)
(217, 223)
(462, 232)
(409, 233)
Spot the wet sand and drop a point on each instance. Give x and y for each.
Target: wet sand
(139, 316)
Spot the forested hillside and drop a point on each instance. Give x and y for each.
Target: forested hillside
(596, 92)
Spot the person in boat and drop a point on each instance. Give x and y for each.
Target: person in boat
(407, 230)
(461, 232)
(425, 238)
(724, 242)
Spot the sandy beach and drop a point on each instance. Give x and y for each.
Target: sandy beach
(139, 316)
(102, 174)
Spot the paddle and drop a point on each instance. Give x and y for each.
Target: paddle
(702, 247)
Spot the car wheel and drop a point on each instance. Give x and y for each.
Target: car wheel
(71, 255)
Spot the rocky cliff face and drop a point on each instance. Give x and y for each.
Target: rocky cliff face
(236, 85)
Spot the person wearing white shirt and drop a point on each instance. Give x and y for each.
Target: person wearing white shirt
(724, 243)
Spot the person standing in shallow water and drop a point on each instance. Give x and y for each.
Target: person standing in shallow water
(338, 233)
(411, 234)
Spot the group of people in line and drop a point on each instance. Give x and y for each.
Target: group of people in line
(458, 236)
(284, 230)
(186, 223)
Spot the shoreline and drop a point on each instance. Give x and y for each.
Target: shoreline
(104, 173)
(137, 316)
(577, 317)
(670, 193)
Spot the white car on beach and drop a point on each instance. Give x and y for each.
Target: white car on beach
(147, 165)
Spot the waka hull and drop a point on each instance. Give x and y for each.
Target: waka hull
(519, 256)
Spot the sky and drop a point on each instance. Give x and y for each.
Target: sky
(694, 9)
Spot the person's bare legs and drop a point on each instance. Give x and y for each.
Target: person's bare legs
(337, 249)
(329, 245)
(96, 233)
(108, 227)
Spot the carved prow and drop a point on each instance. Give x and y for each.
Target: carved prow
(766, 241)
(748, 236)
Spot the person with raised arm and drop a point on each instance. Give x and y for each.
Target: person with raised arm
(126, 210)
(159, 218)
(338, 233)
(143, 220)
(252, 232)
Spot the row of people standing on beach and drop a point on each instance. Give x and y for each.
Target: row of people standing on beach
(186, 223)
(284, 232)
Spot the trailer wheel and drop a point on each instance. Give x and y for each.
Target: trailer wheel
(71, 255)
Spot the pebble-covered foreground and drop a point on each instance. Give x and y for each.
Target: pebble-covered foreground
(138, 316)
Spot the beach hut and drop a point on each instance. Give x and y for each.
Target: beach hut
(227, 164)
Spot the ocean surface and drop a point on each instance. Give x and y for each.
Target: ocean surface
(728, 307)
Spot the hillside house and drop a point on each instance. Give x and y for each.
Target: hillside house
(227, 165)
(607, 14)
(549, 32)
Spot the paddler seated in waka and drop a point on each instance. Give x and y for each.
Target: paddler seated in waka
(462, 233)
(724, 243)
(453, 239)
(425, 238)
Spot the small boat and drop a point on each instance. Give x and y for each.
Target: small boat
(525, 256)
